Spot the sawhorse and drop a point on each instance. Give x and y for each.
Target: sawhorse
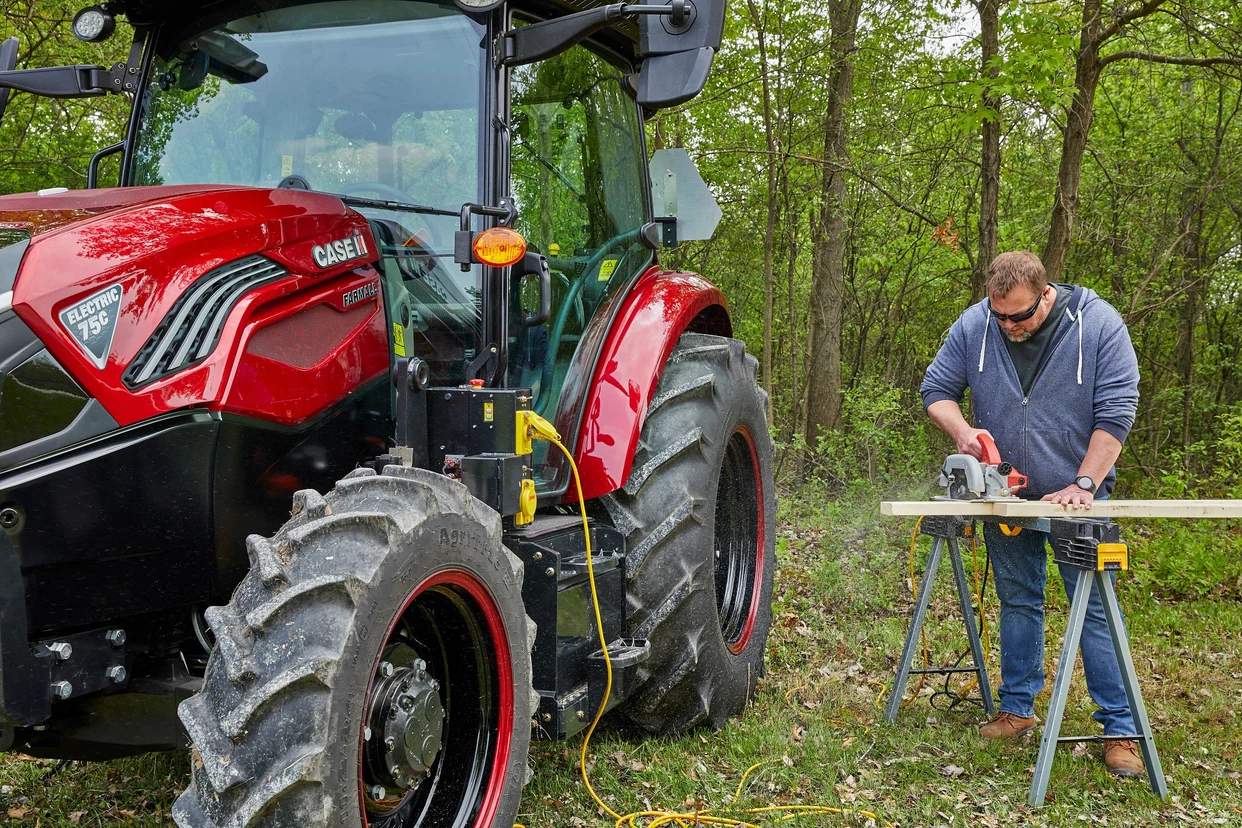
(945, 531)
(1095, 550)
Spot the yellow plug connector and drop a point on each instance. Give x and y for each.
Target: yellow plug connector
(530, 427)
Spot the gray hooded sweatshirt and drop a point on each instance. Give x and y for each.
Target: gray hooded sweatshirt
(1087, 379)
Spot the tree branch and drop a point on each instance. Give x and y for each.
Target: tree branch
(1145, 10)
(1175, 60)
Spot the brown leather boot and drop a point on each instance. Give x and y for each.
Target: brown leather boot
(1007, 726)
(1122, 759)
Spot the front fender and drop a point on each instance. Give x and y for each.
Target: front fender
(661, 307)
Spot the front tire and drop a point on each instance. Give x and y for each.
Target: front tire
(698, 511)
(372, 669)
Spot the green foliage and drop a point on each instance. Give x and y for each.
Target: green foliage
(1187, 561)
(878, 438)
(48, 143)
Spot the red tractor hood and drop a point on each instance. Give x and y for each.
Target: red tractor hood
(38, 214)
(146, 246)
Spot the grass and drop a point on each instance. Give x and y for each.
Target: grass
(841, 609)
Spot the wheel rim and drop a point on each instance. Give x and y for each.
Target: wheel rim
(447, 648)
(739, 540)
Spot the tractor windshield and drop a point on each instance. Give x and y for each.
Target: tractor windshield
(372, 97)
(377, 99)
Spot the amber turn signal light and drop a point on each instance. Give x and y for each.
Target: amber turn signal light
(499, 247)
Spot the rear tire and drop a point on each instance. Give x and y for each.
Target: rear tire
(698, 511)
(388, 609)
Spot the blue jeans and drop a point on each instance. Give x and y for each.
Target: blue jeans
(1020, 567)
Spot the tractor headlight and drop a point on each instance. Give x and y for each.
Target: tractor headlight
(477, 5)
(94, 24)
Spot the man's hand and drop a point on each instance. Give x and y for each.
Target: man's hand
(947, 415)
(1072, 496)
(968, 441)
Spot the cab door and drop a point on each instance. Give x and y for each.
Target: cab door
(578, 174)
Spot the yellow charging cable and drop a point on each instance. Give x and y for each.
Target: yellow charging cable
(539, 428)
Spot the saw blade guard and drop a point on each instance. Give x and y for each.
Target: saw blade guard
(965, 477)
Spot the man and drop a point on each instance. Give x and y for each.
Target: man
(1054, 380)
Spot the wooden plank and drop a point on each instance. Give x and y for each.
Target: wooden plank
(1127, 508)
(1183, 509)
(962, 508)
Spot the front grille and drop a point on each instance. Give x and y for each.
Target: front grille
(191, 330)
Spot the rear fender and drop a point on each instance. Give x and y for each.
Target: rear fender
(657, 311)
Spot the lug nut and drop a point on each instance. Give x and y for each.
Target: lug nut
(116, 637)
(116, 674)
(62, 689)
(582, 715)
(407, 702)
(379, 792)
(61, 649)
(386, 669)
(366, 734)
(390, 743)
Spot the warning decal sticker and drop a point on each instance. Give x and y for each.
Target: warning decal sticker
(92, 322)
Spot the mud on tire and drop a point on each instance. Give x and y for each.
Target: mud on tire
(698, 512)
(404, 569)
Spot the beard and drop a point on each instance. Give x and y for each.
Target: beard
(1019, 337)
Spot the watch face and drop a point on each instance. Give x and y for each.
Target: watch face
(1086, 483)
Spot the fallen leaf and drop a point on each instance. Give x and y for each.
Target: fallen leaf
(953, 771)
(18, 813)
(75, 816)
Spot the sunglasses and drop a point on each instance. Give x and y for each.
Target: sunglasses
(1019, 317)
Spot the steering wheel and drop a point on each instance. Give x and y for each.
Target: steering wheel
(592, 264)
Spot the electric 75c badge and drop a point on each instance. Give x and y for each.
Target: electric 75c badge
(92, 322)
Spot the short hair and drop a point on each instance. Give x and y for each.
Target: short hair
(1017, 267)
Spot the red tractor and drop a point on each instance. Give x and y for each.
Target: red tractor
(368, 248)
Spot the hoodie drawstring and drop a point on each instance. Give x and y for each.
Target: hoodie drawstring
(987, 323)
(1070, 314)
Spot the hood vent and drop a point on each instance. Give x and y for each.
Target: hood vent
(192, 328)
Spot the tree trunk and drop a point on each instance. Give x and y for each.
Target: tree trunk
(1074, 145)
(989, 196)
(828, 274)
(769, 234)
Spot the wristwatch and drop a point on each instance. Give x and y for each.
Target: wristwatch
(1085, 483)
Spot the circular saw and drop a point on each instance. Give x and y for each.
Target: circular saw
(965, 477)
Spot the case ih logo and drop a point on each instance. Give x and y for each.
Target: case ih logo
(341, 250)
(92, 322)
(352, 297)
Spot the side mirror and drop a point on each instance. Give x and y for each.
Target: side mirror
(676, 59)
(685, 208)
(8, 62)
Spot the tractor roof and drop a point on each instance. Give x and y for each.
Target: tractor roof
(622, 37)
